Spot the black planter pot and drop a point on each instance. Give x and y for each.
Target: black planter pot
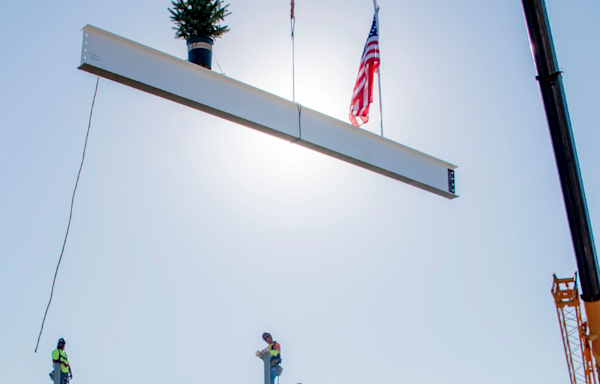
(200, 51)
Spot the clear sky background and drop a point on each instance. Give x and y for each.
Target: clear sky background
(192, 235)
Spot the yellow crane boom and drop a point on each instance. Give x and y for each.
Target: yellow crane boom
(576, 340)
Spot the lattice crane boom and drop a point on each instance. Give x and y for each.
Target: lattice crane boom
(576, 340)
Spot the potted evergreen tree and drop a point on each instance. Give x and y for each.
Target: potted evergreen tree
(198, 22)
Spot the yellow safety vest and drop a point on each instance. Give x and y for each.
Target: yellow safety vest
(61, 356)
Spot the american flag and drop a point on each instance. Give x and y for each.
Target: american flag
(363, 89)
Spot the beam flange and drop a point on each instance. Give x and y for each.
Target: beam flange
(116, 58)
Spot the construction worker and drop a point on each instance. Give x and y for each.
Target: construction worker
(60, 356)
(272, 352)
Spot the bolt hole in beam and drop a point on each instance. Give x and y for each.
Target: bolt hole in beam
(127, 62)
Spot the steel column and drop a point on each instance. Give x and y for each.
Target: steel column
(57, 373)
(267, 363)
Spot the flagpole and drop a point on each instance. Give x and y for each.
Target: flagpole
(379, 68)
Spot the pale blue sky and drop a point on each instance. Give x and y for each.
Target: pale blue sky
(184, 221)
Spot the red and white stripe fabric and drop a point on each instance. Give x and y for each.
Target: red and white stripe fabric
(363, 89)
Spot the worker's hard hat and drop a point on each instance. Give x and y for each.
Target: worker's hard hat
(61, 340)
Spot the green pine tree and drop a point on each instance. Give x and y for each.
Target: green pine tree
(199, 18)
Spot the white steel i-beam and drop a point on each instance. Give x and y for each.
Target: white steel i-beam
(133, 64)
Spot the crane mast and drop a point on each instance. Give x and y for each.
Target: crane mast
(559, 123)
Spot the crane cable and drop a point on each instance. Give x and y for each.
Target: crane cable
(376, 6)
(293, 27)
(70, 215)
